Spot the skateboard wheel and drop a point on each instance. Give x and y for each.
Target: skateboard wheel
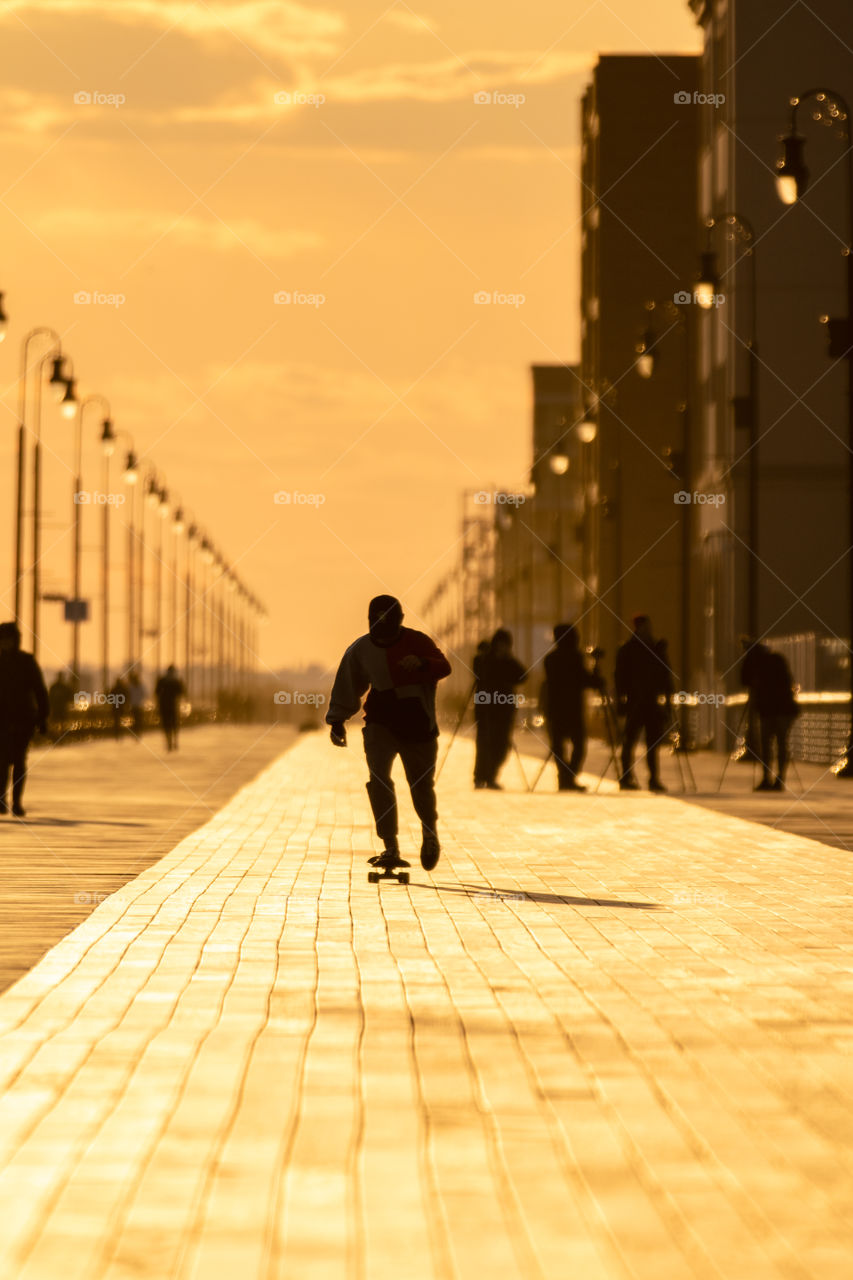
(373, 877)
(403, 877)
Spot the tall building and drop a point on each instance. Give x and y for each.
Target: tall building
(640, 129)
(773, 431)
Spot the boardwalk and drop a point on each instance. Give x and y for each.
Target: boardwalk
(609, 1037)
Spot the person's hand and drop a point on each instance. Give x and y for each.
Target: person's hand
(411, 662)
(338, 733)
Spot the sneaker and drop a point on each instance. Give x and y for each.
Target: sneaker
(574, 786)
(656, 785)
(494, 786)
(778, 785)
(764, 785)
(389, 859)
(430, 850)
(628, 784)
(18, 810)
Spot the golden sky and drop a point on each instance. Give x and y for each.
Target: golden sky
(230, 152)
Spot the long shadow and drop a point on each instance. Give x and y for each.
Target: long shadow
(516, 895)
(76, 822)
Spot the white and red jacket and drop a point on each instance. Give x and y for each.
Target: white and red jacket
(400, 698)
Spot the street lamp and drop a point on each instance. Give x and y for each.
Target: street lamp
(792, 176)
(77, 517)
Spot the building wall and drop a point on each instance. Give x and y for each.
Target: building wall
(801, 457)
(638, 246)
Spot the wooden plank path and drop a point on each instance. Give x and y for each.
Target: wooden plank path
(608, 1037)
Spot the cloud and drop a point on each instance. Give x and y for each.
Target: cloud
(280, 27)
(192, 231)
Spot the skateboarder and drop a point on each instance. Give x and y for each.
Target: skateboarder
(643, 691)
(401, 668)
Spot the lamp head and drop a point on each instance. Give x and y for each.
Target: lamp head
(68, 403)
(131, 473)
(559, 463)
(587, 429)
(57, 378)
(792, 175)
(4, 319)
(108, 438)
(708, 284)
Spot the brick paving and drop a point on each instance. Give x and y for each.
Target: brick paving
(608, 1037)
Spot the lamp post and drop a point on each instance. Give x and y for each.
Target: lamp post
(746, 408)
(558, 464)
(131, 478)
(41, 332)
(77, 517)
(678, 460)
(792, 177)
(64, 393)
(177, 528)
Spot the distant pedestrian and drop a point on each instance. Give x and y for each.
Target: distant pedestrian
(136, 696)
(643, 692)
(561, 702)
(499, 675)
(169, 691)
(24, 707)
(119, 701)
(400, 668)
(61, 699)
(768, 678)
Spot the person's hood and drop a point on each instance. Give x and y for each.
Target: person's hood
(385, 618)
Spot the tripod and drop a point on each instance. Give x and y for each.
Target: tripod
(456, 729)
(611, 726)
(679, 750)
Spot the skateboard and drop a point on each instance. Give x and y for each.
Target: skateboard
(390, 869)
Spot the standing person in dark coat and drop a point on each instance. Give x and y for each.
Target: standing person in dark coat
(168, 691)
(401, 668)
(562, 704)
(768, 678)
(500, 674)
(24, 707)
(643, 690)
(480, 750)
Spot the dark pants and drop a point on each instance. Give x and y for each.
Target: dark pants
(650, 722)
(774, 733)
(575, 732)
(169, 724)
(14, 742)
(381, 746)
(494, 737)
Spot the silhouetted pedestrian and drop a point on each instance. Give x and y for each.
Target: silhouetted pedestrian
(24, 706)
(61, 700)
(643, 691)
(169, 691)
(136, 697)
(768, 678)
(499, 675)
(401, 668)
(477, 669)
(561, 701)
